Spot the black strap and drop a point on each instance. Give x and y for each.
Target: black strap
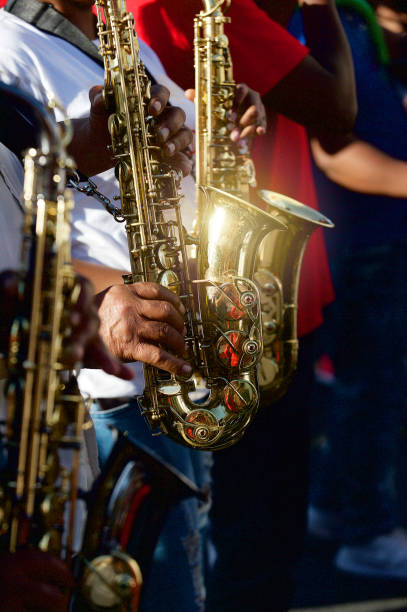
(45, 17)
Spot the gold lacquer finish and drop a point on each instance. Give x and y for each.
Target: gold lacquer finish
(44, 411)
(221, 163)
(278, 269)
(224, 334)
(39, 494)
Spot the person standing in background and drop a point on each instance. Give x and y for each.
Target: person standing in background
(363, 185)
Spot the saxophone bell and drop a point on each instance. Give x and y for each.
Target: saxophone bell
(277, 275)
(221, 164)
(228, 326)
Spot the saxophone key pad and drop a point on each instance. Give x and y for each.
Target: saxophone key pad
(202, 427)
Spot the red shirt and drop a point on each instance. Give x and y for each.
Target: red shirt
(263, 53)
(289, 171)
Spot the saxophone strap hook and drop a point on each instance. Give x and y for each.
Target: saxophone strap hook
(89, 188)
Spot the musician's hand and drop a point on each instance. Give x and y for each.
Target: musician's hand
(91, 137)
(140, 321)
(172, 132)
(34, 581)
(84, 343)
(248, 113)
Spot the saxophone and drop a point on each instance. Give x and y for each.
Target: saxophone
(41, 503)
(44, 411)
(223, 320)
(222, 164)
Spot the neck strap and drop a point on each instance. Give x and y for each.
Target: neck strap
(46, 18)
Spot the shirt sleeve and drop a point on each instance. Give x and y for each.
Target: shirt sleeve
(263, 52)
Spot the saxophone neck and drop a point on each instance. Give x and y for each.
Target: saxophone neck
(215, 7)
(220, 162)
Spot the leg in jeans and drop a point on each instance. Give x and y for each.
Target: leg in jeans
(176, 580)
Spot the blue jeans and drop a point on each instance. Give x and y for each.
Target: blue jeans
(367, 404)
(176, 580)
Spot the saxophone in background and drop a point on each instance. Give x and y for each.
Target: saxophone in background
(41, 504)
(224, 332)
(222, 164)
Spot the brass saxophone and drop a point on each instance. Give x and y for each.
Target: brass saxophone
(44, 412)
(222, 164)
(40, 498)
(224, 334)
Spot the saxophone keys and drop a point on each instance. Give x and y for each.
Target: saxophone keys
(240, 395)
(201, 427)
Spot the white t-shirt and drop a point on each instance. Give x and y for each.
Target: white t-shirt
(11, 209)
(45, 61)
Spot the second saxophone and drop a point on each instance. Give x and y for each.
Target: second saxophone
(222, 164)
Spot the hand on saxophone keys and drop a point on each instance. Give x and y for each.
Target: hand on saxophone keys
(248, 113)
(144, 322)
(172, 132)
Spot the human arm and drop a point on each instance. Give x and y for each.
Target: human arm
(360, 166)
(319, 92)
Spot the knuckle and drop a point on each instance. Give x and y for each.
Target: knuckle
(126, 314)
(166, 309)
(186, 136)
(116, 291)
(156, 354)
(153, 290)
(179, 113)
(164, 91)
(164, 331)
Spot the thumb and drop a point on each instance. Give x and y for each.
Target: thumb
(97, 102)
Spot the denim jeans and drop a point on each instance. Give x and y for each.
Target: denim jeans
(176, 580)
(366, 406)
